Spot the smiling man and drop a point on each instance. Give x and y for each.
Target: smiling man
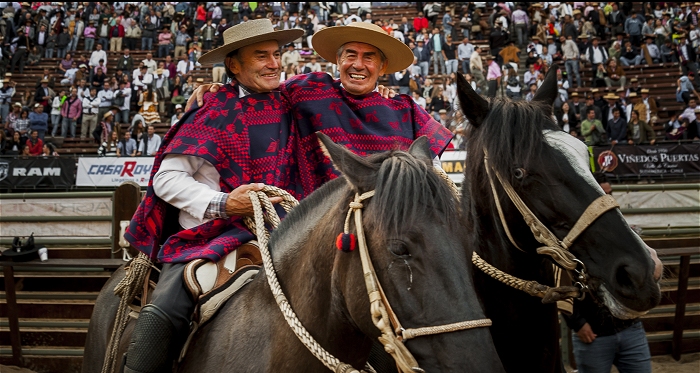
(203, 170)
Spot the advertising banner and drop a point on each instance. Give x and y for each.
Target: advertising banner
(37, 172)
(453, 164)
(649, 160)
(112, 171)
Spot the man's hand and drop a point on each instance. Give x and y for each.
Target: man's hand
(386, 92)
(614, 142)
(630, 142)
(198, 94)
(652, 142)
(238, 202)
(593, 127)
(585, 334)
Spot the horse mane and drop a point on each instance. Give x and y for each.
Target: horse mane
(406, 191)
(512, 134)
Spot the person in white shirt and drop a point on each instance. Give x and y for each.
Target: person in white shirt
(149, 144)
(91, 104)
(313, 66)
(464, 54)
(419, 100)
(106, 94)
(97, 55)
(151, 64)
(123, 96)
(178, 111)
(184, 66)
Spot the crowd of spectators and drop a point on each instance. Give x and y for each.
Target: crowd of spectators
(591, 42)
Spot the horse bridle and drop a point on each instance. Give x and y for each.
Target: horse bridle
(557, 249)
(383, 316)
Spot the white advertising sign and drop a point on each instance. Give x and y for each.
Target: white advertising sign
(453, 164)
(112, 171)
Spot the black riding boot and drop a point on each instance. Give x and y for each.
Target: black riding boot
(150, 350)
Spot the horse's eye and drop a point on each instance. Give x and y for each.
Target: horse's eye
(399, 248)
(519, 173)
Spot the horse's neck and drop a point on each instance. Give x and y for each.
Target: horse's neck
(304, 255)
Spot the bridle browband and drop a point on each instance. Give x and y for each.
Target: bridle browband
(383, 316)
(557, 249)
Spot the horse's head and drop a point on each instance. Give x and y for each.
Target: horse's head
(415, 245)
(548, 169)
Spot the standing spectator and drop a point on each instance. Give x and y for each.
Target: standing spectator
(571, 55)
(497, 39)
(447, 23)
(106, 95)
(132, 33)
(39, 121)
(521, 23)
(149, 144)
(650, 104)
(616, 21)
(201, 16)
(44, 95)
(617, 128)
(90, 33)
(165, 42)
(41, 38)
(51, 44)
(56, 104)
(477, 70)
(493, 76)
(435, 45)
(126, 63)
(6, 93)
(78, 31)
(592, 129)
(116, 34)
(464, 54)
(596, 54)
(148, 100)
(97, 55)
(35, 144)
(103, 33)
(184, 66)
(103, 132)
(291, 56)
(639, 131)
(633, 29)
(148, 32)
(686, 55)
(449, 53)
(122, 100)
(420, 22)
(181, 40)
(208, 32)
(422, 53)
(20, 55)
(150, 63)
(90, 106)
(71, 111)
(510, 55)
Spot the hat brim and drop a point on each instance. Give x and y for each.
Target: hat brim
(178, 100)
(282, 37)
(327, 41)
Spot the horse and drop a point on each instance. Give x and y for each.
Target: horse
(519, 142)
(415, 241)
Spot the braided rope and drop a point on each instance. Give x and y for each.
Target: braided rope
(264, 211)
(128, 288)
(430, 330)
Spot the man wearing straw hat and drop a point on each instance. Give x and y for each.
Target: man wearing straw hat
(351, 108)
(207, 163)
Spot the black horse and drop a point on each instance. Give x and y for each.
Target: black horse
(415, 243)
(548, 170)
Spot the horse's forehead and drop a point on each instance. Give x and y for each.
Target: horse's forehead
(575, 152)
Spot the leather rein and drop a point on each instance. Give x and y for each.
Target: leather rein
(383, 316)
(557, 249)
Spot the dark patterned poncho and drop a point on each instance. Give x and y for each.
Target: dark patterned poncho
(248, 140)
(364, 124)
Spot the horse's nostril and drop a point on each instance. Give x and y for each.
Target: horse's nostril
(628, 278)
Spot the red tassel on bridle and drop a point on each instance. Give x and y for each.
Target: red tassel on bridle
(346, 242)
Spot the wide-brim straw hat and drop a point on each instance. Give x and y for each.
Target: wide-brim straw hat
(248, 33)
(328, 40)
(610, 96)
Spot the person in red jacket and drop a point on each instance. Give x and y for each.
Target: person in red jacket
(34, 144)
(116, 35)
(420, 22)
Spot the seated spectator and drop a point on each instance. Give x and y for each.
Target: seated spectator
(685, 86)
(149, 143)
(65, 64)
(69, 76)
(566, 118)
(630, 55)
(109, 148)
(668, 52)
(313, 66)
(15, 145)
(639, 131)
(615, 51)
(675, 129)
(34, 57)
(531, 94)
(34, 145)
(614, 74)
(651, 51)
(418, 99)
(126, 146)
(49, 150)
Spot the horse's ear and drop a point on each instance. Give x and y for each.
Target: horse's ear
(547, 92)
(421, 149)
(360, 173)
(474, 107)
